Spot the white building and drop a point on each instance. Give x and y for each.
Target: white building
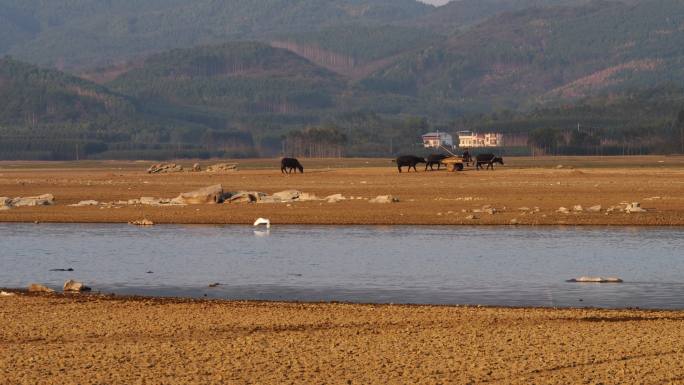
(470, 139)
(438, 139)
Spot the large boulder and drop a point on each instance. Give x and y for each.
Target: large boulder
(74, 286)
(287, 195)
(223, 167)
(5, 203)
(40, 200)
(36, 288)
(250, 197)
(163, 168)
(210, 195)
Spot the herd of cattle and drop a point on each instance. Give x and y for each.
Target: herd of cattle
(289, 165)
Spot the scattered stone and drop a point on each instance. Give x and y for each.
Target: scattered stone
(335, 198)
(306, 197)
(490, 211)
(634, 207)
(472, 217)
(74, 286)
(563, 210)
(196, 167)
(596, 280)
(6, 294)
(211, 194)
(142, 222)
(523, 208)
(223, 167)
(36, 288)
(578, 208)
(384, 199)
(40, 200)
(164, 168)
(85, 203)
(514, 221)
(560, 166)
(595, 209)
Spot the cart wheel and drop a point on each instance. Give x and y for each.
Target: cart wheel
(459, 167)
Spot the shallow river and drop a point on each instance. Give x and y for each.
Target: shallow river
(438, 265)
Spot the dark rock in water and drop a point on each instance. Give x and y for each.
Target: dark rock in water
(595, 280)
(214, 284)
(150, 272)
(69, 269)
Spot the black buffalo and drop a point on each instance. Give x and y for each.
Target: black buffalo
(287, 165)
(435, 160)
(488, 159)
(408, 161)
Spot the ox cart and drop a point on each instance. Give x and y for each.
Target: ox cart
(455, 162)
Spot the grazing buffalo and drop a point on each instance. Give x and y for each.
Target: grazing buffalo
(488, 159)
(287, 165)
(435, 160)
(409, 161)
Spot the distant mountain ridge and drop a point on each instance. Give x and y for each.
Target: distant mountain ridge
(167, 75)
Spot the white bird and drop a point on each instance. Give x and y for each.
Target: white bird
(263, 221)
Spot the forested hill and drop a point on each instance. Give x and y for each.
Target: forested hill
(542, 54)
(86, 33)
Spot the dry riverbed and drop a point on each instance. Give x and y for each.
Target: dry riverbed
(88, 339)
(525, 191)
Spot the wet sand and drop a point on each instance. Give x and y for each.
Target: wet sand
(98, 340)
(427, 198)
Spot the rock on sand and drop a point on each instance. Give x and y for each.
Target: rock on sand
(384, 199)
(37, 288)
(163, 168)
(211, 194)
(74, 286)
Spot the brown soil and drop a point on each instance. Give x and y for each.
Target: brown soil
(96, 340)
(426, 197)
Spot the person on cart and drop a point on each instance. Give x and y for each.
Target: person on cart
(467, 158)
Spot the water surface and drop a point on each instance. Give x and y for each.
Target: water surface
(437, 265)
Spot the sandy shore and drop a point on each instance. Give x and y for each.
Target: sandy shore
(426, 197)
(96, 340)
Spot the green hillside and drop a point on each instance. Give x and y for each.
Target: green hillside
(47, 114)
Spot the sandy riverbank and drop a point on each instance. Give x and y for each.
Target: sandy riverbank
(97, 340)
(430, 198)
